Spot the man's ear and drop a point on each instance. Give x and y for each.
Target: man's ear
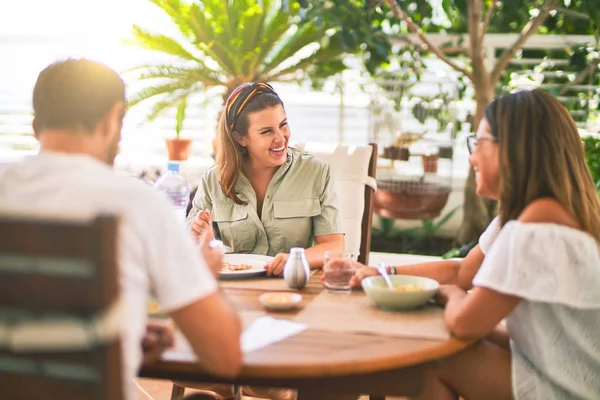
(113, 119)
(36, 133)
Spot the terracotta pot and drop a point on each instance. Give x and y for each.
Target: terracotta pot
(178, 149)
(410, 199)
(430, 163)
(396, 153)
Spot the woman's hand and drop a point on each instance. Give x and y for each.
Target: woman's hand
(362, 272)
(275, 267)
(202, 223)
(445, 292)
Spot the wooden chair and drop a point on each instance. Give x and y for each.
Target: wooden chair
(353, 170)
(58, 277)
(353, 167)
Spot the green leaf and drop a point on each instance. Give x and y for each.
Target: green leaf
(442, 221)
(180, 116)
(161, 43)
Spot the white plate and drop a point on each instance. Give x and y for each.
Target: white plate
(257, 262)
(280, 300)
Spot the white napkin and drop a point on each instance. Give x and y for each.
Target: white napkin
(267, 330)
(261, 333)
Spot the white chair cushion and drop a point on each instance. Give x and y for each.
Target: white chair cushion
(350, 171)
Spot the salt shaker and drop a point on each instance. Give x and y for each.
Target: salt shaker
(296, 271)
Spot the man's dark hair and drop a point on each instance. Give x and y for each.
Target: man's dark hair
(75, 94)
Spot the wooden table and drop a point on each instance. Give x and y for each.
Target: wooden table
(324, 365)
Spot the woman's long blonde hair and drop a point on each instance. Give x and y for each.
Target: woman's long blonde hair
(541, 155)
(230, 156)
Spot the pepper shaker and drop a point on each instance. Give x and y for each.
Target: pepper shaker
(296, 272)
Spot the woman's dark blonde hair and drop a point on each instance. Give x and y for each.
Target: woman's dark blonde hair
(233, 123)
(541, 155)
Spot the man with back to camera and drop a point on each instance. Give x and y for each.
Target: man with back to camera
(79, 107)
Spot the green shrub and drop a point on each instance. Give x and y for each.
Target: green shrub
(591, 146)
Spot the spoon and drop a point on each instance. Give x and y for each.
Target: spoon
(383, 271)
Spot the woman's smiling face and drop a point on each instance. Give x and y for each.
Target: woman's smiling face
(267, 138)
(486, 162)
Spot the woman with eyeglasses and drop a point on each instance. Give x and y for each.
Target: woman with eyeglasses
(534, 276)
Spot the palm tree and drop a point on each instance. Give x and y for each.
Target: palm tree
(223, 43)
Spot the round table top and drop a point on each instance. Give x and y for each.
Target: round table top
(318, 353)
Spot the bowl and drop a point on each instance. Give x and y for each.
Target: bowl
(410, 292)
(279, 301)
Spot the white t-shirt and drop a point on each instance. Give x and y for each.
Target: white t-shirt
(555, 330)
(156, 255)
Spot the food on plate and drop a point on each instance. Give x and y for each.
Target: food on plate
(227, 267)
(276, 301)
(278, 298)
(409, 288)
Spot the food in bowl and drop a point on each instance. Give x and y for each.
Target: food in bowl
(409, 291)
(280, 300)
(409, 288)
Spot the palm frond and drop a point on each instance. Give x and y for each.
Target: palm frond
(321, 55)
(178, 12)
(204, 76)
(276, 24)
(162, 43)
(163, 88)
(290, 45)
(208, 41)
(251, 27)
(170, 101)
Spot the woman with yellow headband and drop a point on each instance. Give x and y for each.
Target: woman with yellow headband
(263, 197)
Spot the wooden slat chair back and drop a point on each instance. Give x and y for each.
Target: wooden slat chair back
(367, 221)
(58, 271)
(353, 171)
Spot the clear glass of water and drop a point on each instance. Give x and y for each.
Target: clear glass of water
(338, 269)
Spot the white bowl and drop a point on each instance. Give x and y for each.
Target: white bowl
(280, 300)
(377, 290)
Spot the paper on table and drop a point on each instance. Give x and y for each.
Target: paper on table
(262, 332)
(267, 330)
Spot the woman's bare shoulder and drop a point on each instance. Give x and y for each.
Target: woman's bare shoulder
(548, 210)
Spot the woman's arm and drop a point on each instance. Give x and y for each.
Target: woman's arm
(446, 272)
(475, 315)
(314, 254)
(324, 243)
(499, 336)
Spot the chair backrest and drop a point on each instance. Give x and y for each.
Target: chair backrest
(353, 170)
(58, 277)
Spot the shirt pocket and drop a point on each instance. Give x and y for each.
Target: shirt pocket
(293, 219)
(235, 227)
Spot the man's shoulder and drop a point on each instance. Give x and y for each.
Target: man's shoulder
(134, 190)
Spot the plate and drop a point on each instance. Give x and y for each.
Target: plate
(255, 261)
(278, 301)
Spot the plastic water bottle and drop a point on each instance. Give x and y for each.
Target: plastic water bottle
(173, 184)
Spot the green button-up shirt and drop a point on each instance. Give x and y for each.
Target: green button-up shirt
(300, 204)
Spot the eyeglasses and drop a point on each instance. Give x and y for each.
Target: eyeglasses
(472, 142)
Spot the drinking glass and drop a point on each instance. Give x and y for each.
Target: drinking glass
(338, 268)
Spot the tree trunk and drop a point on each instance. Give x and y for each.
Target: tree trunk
(477, 211)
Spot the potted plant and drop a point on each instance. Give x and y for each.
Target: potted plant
(430, 163)
(178, 149)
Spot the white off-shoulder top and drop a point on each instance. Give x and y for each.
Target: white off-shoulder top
(555, 330)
